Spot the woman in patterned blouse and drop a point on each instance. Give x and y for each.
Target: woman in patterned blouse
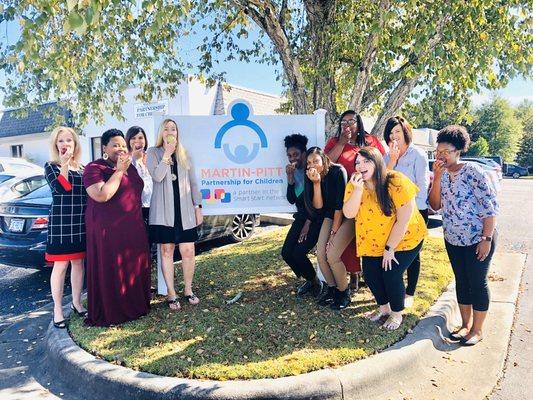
(66, 228)
(462, 191)
(389, 230)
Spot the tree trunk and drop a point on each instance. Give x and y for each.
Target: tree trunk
(321, 16)
(393, 104)
(365, 67)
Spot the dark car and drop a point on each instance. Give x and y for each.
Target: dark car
(516, 171)
(24, 226)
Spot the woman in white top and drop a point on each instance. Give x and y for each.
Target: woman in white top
(137, 145)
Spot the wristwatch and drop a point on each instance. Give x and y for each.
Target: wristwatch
(487, 238)
(387, 247)
(198, 206)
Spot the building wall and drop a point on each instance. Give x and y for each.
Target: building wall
(34, 147)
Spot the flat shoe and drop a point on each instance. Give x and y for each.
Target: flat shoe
(455, 336)
(174, 304)
(392, 323)
(472, 341)
(60, 324)
(376, 316)
(192, 299)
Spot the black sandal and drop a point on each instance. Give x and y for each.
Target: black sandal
(191, 298)
(82, 314)
(60, 324)
(174, 304)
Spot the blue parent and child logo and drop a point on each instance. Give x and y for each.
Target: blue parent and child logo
(241, 153)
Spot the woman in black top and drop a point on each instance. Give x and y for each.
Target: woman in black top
(303, 234)
(66, 226)
(324, 195)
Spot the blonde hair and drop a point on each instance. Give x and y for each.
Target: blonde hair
(54, 153)
(181, 153)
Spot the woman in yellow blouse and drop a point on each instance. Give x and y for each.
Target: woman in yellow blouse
(389, 230)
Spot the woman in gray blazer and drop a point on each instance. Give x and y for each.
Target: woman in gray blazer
(175, 208)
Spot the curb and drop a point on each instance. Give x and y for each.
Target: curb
(360, 379)
(277, 219)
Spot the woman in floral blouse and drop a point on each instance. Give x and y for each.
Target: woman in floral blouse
(469, 208)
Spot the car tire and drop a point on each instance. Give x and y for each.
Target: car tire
(516, 175)
(242, 227)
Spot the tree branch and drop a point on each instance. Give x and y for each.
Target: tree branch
(413, 59)
(365, 67)
(406, 85)
(263, 13)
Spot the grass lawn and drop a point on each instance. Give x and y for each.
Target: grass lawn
(268, 333)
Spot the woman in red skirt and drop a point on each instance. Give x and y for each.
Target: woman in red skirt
(343, 149)
(66, 224)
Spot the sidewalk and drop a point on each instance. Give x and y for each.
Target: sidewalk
(419, 367)
(519, 363)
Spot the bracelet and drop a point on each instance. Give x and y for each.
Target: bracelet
(332, 232)
(198, 206)
(166, 160)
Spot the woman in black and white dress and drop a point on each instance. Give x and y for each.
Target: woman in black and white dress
(66, 225)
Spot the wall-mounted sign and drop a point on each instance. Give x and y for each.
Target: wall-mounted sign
(142, 110)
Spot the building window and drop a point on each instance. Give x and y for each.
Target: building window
(16, 151)
(96, 147)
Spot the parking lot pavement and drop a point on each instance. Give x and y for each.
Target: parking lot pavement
(23, 290)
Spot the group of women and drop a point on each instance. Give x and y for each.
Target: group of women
(356, 203)
(109, 212)
(361, 206)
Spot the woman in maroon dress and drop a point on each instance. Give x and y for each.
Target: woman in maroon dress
(118, 272)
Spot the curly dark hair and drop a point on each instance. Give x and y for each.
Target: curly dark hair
(456, 135)
(296, 140)
(110, 133)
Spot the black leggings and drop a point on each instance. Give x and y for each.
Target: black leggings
(413, 272)
(471, 283)
(388, 286)
(295, 254)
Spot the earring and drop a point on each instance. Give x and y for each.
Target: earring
(105, 156)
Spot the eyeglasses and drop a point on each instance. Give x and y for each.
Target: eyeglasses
(349, 122)
(445, 152)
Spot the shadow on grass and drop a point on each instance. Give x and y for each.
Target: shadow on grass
(269, 332)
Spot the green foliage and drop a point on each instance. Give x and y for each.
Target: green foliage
(479, 148)
(496, 122)
(438, 109)
(524, 156)
(524, 112)
(268, 333)
(87, 52)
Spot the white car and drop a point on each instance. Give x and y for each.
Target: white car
(15, 185)
(486, 164)
(16, 165)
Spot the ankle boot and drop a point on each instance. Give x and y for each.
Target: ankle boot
(342, 300)
(327, 297)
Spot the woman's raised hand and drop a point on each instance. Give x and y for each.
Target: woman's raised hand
(313, 175)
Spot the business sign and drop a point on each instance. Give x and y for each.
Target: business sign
(142, 110)
(240, 158)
